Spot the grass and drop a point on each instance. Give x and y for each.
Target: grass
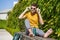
(3, 24)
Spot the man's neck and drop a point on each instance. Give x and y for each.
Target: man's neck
(33, 13)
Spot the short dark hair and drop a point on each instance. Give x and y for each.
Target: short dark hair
(34, 4)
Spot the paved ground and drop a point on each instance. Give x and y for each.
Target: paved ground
(4, 35)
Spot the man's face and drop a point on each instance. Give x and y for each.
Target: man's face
(33, 9)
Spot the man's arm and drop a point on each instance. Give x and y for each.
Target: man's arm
(22, 14)
(40, 17)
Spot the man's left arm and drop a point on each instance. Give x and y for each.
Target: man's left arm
(40, 17)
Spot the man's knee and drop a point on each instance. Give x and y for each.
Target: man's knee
(27, 24)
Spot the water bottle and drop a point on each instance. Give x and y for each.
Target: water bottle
(34, 31)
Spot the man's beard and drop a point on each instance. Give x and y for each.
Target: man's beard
(33, 12)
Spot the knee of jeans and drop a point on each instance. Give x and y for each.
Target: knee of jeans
(40, 32)
(27, 23)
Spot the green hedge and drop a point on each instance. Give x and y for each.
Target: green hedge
(12, 31)
(50, 11)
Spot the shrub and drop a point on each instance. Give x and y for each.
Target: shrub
(50, 11)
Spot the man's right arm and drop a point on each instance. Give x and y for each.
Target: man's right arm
(22, 14)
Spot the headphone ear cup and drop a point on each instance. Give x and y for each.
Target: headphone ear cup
(29, 7)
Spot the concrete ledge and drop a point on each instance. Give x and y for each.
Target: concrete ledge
(25, 37)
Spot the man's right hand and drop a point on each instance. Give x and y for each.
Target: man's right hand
(21, 16)
(28, 8)
(31, 34)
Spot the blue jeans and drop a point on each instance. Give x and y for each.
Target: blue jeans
(38, 31)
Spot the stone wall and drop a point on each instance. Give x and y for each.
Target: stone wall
(25, 37)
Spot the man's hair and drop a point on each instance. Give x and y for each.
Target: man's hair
(34, 4)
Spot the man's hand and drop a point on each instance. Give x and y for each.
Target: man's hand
(38, 10)
(31, 34)
(21, 16)
(28, 8)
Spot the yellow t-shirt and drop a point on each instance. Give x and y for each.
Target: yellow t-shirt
(33, 19)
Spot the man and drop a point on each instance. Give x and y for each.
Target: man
(33, 16)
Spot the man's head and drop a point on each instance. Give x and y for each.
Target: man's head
(33, 7)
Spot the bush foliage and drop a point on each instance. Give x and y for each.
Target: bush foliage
(50, 11)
